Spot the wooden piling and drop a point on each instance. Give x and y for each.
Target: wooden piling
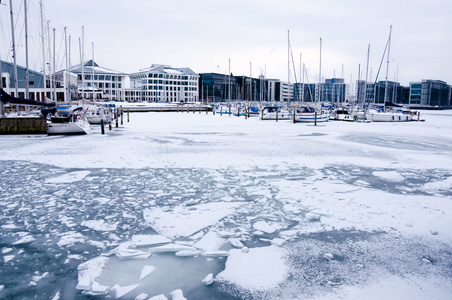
(128, 120)
(102, 128)
(315, 118)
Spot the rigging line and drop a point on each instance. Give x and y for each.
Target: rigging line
(59, 52)
(293, 63)
(381, 62)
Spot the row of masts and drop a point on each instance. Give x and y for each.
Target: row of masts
(51, 58)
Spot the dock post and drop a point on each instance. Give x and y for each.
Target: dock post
(102, 128)
(122, 117)
(117, 117)
(238, 111)
(315, 118)
(221, 110)
(276, 115)
(229, 109)
(128, 120)
(294, 116)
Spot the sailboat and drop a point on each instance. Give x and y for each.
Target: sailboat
(387, 113)
(310, 114)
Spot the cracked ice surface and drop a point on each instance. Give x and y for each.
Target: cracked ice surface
(188, 205)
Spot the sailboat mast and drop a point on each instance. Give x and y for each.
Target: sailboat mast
(53, 69)
(367, 72)
(387, 65)
(27, 72)
(43, 52)
(301, 71)
(93, 71)
(65, 73)
(50, 59)
(82, 61)
(229, 81)
(288, 56)
(16, 85)
(320, 71)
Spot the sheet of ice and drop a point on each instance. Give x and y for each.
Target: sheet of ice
(69, 177)
(99, 225)
(142, 240)
(389, 175)
(185, 221)
(264, 226)
(259, 269)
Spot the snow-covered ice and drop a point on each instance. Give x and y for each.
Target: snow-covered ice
(197, 206)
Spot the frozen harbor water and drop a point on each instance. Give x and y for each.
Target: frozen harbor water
(218, 207)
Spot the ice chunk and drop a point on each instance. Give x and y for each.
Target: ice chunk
(184, 221)
(264, 226)
(70, 238)
(262, 268)
(236, 243)
(146, 271)
(210, 242)
(178, 295)
(215, 253)
(24, 240)
(312, 217)
(124, 254)
(171, 248)
(96, 288)
(328, 256)
(90, 270)
(188, 253)
(389, 176)
(69, 177)
(123, 290)
(143, 240)
(142, 296)
(159, 297)
(99, 225)
(208, 280)
(8, 258)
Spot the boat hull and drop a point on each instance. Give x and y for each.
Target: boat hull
(69, 128)
(311, 118)
(387, 117)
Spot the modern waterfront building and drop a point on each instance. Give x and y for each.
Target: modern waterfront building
(99, 83)
(35, 80)
(161, 83)
(222, 88)
(434, 93)
(216, 87)
(333, 90)
(427, 93)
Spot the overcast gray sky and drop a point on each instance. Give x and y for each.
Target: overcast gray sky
(204, 34)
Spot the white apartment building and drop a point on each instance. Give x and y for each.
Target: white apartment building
(102, 82)
(161, 83)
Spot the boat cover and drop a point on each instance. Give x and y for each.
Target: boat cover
(7, 98)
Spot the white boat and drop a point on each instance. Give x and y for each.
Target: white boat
(275, 113)
(96, 115)
(73, 124)
(341, 114)
(308, 114)
(393, 115)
